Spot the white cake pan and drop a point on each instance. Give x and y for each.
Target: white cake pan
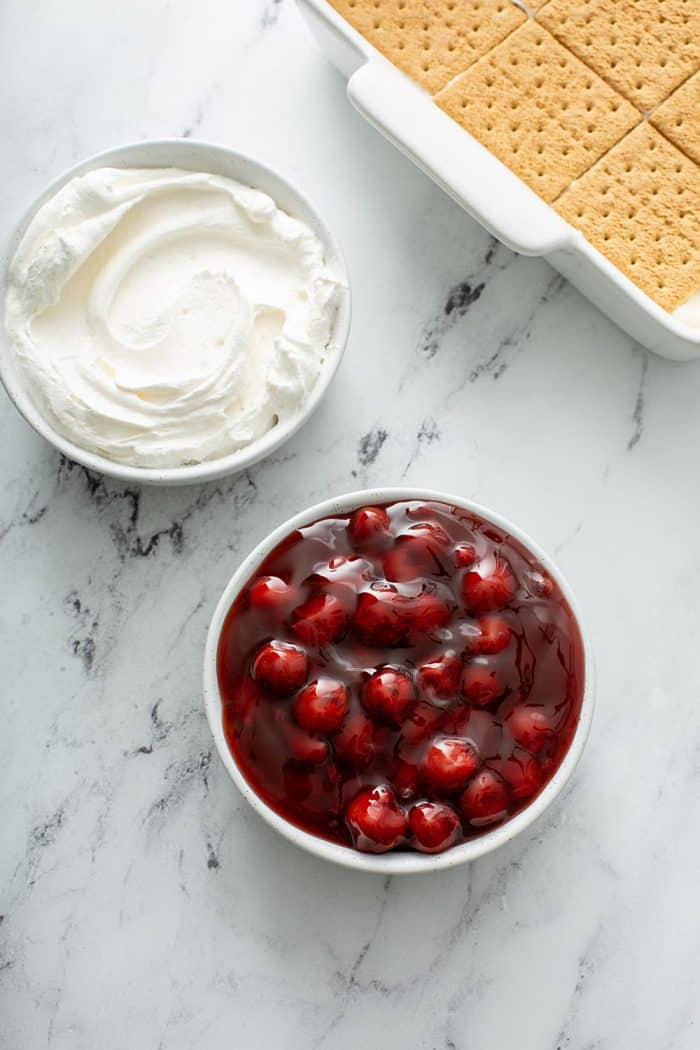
(486, 188)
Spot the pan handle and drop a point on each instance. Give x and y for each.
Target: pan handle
(465, 169)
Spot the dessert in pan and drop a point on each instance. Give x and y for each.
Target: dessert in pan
(592, 103)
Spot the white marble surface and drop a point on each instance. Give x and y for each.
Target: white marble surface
(142, 904)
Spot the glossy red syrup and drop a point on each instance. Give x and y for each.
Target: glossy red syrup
(405, 677)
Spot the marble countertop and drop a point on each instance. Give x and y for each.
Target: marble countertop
(142, 903)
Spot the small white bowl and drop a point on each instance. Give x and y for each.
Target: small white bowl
(192, 156)
(389, 863)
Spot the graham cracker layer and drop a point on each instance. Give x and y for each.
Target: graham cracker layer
(639, 207)
(432, 40)
(538, 109)
(643, 48)
(678, 118)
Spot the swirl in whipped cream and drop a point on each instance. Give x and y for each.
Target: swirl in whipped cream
(164, 317)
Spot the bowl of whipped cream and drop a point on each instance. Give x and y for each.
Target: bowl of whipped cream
(173, 311)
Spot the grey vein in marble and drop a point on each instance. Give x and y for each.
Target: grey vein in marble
(638, 413)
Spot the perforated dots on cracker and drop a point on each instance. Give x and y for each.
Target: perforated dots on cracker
(644, 48)
(431, 40)
(638, 206)
(678, 118)
(538, 109)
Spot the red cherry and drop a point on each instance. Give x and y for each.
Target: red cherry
(405, 778)
(280, 668)
(523, 774)
(410, 558)
(355, 743)
(368, 524)
(305, 748)
(270, 594)
(464, 555)
(485, 800)
(340, 562)
(481, 685)
(539, 584)
(439, 678)
(454, 719)
(422, 721)
(375, 820)
(347, 571)
(434, 826)
(321, 706)
(389, 695)
(494, 635)
(431, 532)
(531, 727)
(320, 620)
(425, 612)
(489, 586)
(450, 762)
(378, 617)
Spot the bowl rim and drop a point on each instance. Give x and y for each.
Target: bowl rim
(391, 863)
(217, 159)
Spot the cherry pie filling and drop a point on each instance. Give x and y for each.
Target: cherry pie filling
(407, 676)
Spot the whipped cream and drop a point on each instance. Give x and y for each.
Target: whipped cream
(689, 312)
(164, 317)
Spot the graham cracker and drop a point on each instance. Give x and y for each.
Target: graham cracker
(432, 40)
(644, 48)
(538, 109)
(639, 207)
(678, 118)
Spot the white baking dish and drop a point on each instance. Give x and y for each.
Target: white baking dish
(486, 188)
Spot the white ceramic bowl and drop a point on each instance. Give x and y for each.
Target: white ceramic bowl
(191, 156)
(389, 863)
